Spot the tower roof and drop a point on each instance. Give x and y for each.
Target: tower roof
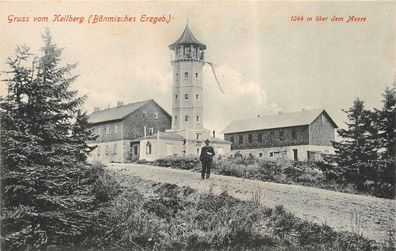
(187, 38)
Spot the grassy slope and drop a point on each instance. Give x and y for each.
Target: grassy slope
(146, 215)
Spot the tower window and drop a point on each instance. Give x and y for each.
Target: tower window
(186, 118)
(186, 96)
(197, 97)
(177, 75)
(186, 75)
(196, 75)
(197, 118)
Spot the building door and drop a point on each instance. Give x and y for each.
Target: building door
(135, 150)
(295, 154)
(169, 149)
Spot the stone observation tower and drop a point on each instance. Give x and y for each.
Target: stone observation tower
(187, 105)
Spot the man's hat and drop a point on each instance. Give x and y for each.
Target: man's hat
(207, 141)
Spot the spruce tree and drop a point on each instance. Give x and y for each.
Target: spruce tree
(385, 124)
(355, 153)
(46, 185)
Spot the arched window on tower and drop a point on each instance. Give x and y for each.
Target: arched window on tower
(186, 75)
(197, 97)
(198, 119)
(186, 118)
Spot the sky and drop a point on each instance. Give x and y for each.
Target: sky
(265, 62)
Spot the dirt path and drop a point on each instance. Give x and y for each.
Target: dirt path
(373, 217)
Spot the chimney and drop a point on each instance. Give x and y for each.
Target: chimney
(120, 103)
(214, 134)
(96, 109)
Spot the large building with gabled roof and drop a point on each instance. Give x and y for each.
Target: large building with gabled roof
(303, 135)
(118, 126)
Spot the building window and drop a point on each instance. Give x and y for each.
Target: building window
(176, 97)
(177, 76)
(198, 134)
(135, 150)
(260, 137)
(107, 130)
(186, 118)
(115, 129)
(155, 115)
(115, 149)
(271, 154)
(272, 136)
(151, 131)
(196, 75)
(107, 150)
(100, 131)
(144, 115)
(175, 120)
(232, 139)
(260, 154)
(198, 119)
(197, 97)
(98, 151)
(294, 134)
(185, 96)
(148, 148)
(250, 138)
(240, 139)
(282, 135)
(186, 75)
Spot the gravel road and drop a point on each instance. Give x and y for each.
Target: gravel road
(371, 216)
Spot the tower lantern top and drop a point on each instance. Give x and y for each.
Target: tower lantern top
(187, 38)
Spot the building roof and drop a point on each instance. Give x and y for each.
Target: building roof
(162, 135)
(280, 120)
(116, 113)
(187, 38)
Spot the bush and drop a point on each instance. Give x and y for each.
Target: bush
(179, 162)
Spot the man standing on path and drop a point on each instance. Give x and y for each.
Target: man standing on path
(206, 159)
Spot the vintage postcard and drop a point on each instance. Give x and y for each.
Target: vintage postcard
(194, 125)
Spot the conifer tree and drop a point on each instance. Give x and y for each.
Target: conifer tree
(355, 153)
(385, 125)
(45, 182)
